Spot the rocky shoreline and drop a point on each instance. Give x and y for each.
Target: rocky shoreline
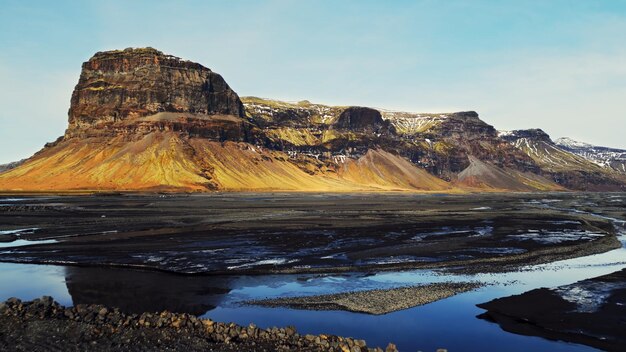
(380, 301)
(44, 325)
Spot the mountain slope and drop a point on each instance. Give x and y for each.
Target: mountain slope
(565, 168)
(379, 168)
(166, 161)
(482, 175)
(113, 164)
(439, 143)
(607, 157)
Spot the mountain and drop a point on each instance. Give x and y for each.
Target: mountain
(604, 156)
(143, 120)
(564, 167)
(442, 144)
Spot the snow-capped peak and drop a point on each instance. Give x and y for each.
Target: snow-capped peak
(504, 133)
(604, 156)
(571, 143)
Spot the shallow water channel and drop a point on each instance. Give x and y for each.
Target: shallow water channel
(449, 323)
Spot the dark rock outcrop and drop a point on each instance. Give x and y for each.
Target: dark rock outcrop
(535, 134)
(466, 135)
(122, 84)
(464, 125)
(359, 118)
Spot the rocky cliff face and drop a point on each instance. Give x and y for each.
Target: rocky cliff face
(534, 134)
(467, 136)
(357, 118)
(124, 85)
(439, 143)
(143, 120)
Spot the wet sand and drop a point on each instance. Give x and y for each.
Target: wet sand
(381, 301)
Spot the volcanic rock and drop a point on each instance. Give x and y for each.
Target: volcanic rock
(535, 134)
(122, 84)
(360, 118)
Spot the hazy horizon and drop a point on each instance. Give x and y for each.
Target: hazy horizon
(556, 65)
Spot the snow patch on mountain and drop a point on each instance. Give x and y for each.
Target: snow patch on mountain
(411, 123)
(571, 143)
(607, 157)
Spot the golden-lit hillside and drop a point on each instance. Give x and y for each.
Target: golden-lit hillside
(167, 161)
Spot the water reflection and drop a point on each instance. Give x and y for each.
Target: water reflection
(137, 291)
(29, 281)
(448, 323)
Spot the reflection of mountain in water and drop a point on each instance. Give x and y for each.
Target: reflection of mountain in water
(136, 291)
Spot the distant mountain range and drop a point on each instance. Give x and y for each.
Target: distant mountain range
(604, 156)
(143, 120)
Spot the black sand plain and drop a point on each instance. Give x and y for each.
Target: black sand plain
(298, 233)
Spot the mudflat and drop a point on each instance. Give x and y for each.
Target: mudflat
(227, 233)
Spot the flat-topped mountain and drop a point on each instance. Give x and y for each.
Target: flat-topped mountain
(146, 89)
(143, 120)
(118, 85)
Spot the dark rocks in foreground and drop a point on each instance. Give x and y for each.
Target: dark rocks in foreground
(590, 312)
(43, 325)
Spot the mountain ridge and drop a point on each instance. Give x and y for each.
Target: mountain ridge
(613, 158)
(143, 120)
(571, 170)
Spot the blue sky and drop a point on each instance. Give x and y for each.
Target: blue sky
(558, 65)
